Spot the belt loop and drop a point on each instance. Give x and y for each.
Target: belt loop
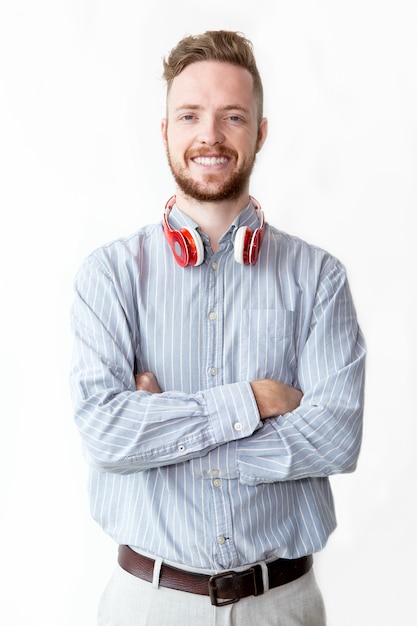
(156, 572)
(265, 575)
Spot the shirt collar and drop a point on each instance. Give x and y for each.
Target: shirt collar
(247, 217)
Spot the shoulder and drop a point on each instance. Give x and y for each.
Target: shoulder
(120, 260)
(294, 250)
(124, 249)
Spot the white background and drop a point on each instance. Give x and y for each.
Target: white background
(81, 162)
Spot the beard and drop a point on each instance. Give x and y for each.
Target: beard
(214, 187)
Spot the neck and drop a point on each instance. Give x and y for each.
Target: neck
(213, 218)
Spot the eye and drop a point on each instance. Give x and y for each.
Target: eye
(188, 117)
(236, 119)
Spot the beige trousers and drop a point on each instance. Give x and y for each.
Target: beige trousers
(130, 601)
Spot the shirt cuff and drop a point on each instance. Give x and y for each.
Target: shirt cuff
(233, 411)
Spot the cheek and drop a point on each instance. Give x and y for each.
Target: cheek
(176, 143)
(247, 143)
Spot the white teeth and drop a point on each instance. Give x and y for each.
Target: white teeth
(210, 160)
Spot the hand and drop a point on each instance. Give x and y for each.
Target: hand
(147, 382)
(274, 398)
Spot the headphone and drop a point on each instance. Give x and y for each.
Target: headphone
(188, 248)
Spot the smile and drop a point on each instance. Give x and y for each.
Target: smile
(210, 161)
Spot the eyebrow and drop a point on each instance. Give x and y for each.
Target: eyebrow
(198, 107)
(192, 107)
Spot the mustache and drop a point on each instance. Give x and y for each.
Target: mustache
(205, 151)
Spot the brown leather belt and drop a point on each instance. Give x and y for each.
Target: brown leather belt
(223, 588)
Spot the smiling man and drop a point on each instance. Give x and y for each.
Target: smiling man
(217, 378)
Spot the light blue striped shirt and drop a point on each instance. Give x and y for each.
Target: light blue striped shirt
(192, 475)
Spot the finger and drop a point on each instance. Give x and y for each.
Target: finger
(146, 381)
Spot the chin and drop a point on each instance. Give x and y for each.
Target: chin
(211, 191)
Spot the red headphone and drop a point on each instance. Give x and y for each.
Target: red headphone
(188, 248)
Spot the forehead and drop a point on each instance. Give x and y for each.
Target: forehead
(212, 82)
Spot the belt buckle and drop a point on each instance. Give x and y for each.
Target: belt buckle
(255, 571)
(212, 585)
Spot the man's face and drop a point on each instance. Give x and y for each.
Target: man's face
(212, 132)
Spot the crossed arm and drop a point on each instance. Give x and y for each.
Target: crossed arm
(272, 397)
(316, 432)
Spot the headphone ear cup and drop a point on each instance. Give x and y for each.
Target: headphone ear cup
(195, 246)
(186, 244)
(241, 245)
(255, 246)
(178, 245)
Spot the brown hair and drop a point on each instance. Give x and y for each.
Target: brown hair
(215, 45)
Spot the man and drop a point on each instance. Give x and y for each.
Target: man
(218, 377)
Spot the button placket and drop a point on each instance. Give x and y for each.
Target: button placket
(220, 515)
(214, 344)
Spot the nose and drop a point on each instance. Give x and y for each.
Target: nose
(210, 132)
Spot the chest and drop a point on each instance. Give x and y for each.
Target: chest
(219, 323)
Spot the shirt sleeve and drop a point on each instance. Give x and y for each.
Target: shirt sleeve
(124, 430)
(323, 435)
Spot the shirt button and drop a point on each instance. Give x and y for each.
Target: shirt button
(214, 266)
(181, 448)
(215, 472)
(212, 316)
(217, 482)
(238, 426)
(221, 540)
(213, 371)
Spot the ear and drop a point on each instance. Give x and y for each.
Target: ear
(164, 130)
(262, 133)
